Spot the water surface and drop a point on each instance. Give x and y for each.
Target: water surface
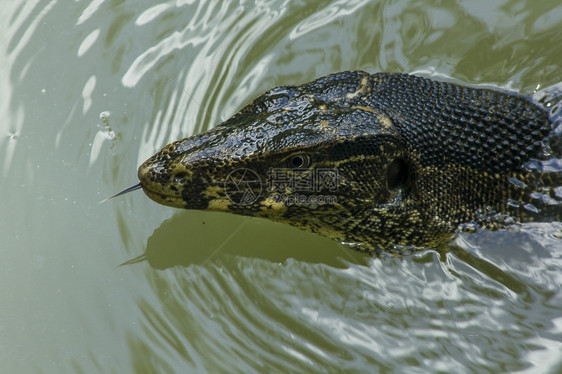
(89, 89)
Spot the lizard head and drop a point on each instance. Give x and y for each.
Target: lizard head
(314, 156)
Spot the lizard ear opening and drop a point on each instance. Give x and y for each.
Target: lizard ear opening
(397, 174)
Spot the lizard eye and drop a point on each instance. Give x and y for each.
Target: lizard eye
(299, 161)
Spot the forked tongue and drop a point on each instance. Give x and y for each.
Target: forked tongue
(126, 190)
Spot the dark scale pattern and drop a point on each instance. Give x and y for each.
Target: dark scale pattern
(487, 130)
(413, 160)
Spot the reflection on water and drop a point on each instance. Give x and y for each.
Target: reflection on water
(297, 315)
(93, 88)
(172, 245)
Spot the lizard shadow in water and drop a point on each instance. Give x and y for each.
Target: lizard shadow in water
(194, 238)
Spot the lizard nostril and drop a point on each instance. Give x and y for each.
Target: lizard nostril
(180, 177)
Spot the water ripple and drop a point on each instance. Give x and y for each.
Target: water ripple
(489, 302)
(308, 316)
(212, 44)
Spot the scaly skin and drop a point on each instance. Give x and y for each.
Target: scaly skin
(384, 161)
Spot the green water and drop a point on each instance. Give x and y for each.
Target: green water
(88, 90)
